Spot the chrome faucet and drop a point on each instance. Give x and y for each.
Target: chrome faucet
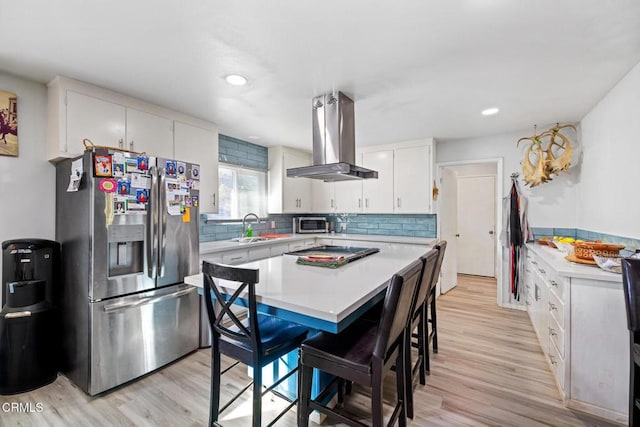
(245, 219)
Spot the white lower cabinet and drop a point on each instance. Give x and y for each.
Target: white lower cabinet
(582, 329)
(235, 257)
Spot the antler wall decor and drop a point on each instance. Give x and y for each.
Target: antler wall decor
(552, 160)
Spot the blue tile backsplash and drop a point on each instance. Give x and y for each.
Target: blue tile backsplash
(385, 225)
(242, 153)
(630, 244)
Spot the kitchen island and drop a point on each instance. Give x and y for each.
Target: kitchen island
(323, 298)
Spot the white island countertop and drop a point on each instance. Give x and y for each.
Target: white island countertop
(226, 245)
(324, 298)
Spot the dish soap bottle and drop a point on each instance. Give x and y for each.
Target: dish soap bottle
(249, 231)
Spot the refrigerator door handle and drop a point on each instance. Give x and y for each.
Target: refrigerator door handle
(152, 226)
(123, 306)
(162, 210)
(146, 301)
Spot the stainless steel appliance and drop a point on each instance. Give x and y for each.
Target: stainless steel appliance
(307, 224)
(128, 225)
(334, 140)
(350, 253)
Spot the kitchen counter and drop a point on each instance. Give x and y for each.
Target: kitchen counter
(565, 268)
(323, 298)
(225, 245)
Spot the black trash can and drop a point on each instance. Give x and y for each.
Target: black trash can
(29, 319)
(28, 338)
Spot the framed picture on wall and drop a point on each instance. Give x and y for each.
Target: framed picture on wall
(8, 124)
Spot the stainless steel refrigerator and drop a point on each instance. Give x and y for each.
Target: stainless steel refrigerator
(128, 225)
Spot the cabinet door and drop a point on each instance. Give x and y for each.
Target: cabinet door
(412, 180)
(100, 121)
(323, 200)
(378, 193)
(348, 196)
(149, 133)
(196, 145)
(296, 191)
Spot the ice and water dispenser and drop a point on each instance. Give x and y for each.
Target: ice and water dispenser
(29, 322)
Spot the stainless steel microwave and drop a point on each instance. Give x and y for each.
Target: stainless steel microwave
(308, 224)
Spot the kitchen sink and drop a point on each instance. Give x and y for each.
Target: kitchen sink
(251, 239)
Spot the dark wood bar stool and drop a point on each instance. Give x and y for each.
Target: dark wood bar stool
(418, 323)
(363, 354)
(631, 285)
(255, 341)
(432, 337)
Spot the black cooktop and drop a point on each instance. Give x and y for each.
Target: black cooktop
(350, 253)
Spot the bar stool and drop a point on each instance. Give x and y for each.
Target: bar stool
(631, 285)
(363, 353)
(256, 341)
(431, 302)
(418, 322)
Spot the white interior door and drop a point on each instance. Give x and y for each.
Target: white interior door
(476, 225)
(448, 228)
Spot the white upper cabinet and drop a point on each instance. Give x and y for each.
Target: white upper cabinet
(198, 145)
(323, 196)
(79, 110)
(288, 195)
(377, 194)
(88, 117)
(149, 133)
(412, 179)
(348, 196)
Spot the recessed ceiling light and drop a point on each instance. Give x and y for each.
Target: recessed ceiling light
(236, 80)
(490, 111)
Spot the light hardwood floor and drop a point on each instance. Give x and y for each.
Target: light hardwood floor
(490, 370)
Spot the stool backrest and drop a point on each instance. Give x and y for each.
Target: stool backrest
(429, 261)
(397, 308)
(631, 286)
(235, 329)
(442, 247)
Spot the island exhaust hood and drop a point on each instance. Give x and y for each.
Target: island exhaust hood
(334, 150)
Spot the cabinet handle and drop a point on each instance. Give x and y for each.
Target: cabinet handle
(359, 202)
(131, 145)
(552, 359)
(332, 203)
(213, 199)
(553, 283)
(236, 258)
(552, 306)
(552, 332)
(121, 143)
(366, 202)
(398, 201)
(534, 262)
(542, 271)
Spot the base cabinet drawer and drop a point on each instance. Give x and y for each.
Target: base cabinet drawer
(235, 257)
(557, 364)
(556, 336)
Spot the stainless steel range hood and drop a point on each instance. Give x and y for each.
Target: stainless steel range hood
(334, 150)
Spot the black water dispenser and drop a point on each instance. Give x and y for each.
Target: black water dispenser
(29, 321)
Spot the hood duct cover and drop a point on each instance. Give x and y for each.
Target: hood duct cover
(334, 150)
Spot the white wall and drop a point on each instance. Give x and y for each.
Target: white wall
(609, 193)
(27, 182)
(551, 204)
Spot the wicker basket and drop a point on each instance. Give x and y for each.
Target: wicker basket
(586, 250)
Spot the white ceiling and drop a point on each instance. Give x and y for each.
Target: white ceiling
(415, 68)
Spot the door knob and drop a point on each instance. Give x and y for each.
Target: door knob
(490, 231)
(457, 235)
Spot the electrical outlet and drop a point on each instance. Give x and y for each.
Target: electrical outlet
(273, 224)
